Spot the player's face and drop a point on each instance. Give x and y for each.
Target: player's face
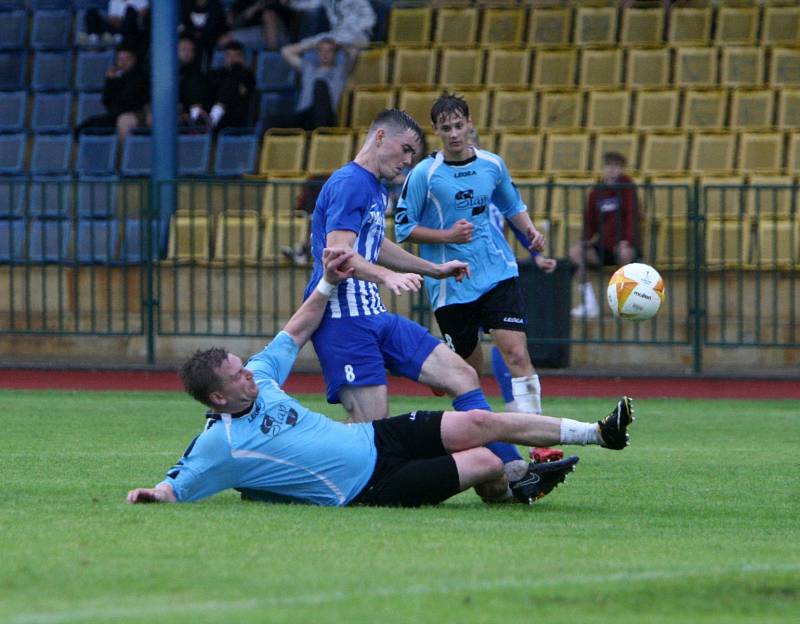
(238, 387)
(396, 152)
(454, 131)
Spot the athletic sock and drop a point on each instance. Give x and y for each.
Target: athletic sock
(577, 432)
(527, 394)
(502, 375)
(475, 399)
(589, 298)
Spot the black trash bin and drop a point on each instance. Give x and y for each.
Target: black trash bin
(547, 300)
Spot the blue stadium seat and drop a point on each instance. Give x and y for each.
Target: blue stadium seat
(13, 106)
(12, 239)
(51, 29)
(194, 152)
(90, 69)
(95, 240)
(82, 5)
(51, 112)
(12, 5)
(132, 243)
(50, 196)
(96, 197)
(275, 104)
(97, 154)
(12, 153)
(13, 28)
(218, 58)
(137, 157)
(50, 4)
(89, 104)
(12, 70)
(51, 154)
(13, 191)
(235, 154)
(273, 72)
(52, 71)
(48, 240)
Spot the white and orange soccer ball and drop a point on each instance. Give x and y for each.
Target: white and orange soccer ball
(635, 292)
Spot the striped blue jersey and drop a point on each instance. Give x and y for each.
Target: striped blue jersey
(438, 193)
(278, 450)
(354, 200)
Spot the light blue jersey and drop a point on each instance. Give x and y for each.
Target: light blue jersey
(439, 193)
(279, 449)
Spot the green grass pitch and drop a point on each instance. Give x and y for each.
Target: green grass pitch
(697, 521)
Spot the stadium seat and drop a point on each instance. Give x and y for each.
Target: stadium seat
(595, 25)
(12, 70)
(12, 153)
(51, 154)
(367, 102)
(273, 72)
(736, 25)
(567, 204)
(417, 102)
(97, 153)
(695, 66)
(236, 238)
(712, 153)
(12, 239)
(793, 156)
(507, 67)
(642, 26)
(51, 112)
(477, 99)
(625, 143)
(760, 152)
(533, 191)
(656, 109)
(781, 25)
(742, 66)
(669, 197)
(414, 66)
(282, 231)
(722, 197)
(752, 109)
(771, 196)
(235, 154)
(785, 67)
(704, 109)
(566, 153)
(788, 109)
(673, 244)
(275, 105)
(601, 67)
(777, 243)
(461, 66)
(89, 105)
(521, 151)
(648, 67)
(96, 197)
(194, 153)
(549, 26)
(13, 106)
(329, 149)
(555, 68)
(189, 238)
(48, 240)
(689, 25)
(95, 240)
(608, 110)
(409, 26)
(456, 26)
(727, 243)
(52, 71)
(502, 26)
(132, 241)
(281, 195)
(90, 69)
(664, 153)
(13, 196)
(282, 152)
(51, 29)
(372, 68)
(218, 58)
(13, 29)
(512, 109)
(560, 110)
(50, 196)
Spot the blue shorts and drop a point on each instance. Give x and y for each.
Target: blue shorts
(357, 350)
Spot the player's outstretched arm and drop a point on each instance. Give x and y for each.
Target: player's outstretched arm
(523, 222)
(395, 257)
(162, 493)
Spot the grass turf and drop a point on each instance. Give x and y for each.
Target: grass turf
(696, 522)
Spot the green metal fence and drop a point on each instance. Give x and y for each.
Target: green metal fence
(119, 257)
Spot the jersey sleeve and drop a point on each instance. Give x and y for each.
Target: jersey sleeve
(506, 196)
(203, 469)
(347, 203)
(275, 361)
(411, 203)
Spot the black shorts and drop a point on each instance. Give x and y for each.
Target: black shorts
(413, 467)
(503, 307)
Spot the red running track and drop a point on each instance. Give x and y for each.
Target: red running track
(558, 385)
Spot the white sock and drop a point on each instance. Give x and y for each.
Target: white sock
(589, 298)
(527, 394)
(515, 469)
(511, 407)
(577, 432)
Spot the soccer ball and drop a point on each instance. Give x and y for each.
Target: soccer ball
(635, 292)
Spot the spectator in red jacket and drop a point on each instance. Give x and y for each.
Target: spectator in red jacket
(611, 230)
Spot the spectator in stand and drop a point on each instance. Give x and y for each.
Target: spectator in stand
(261, 23)
(205, 22)
(611, 230)
(126, 95)
(232, 88)
(192, 85)
(351, 22)
(126, 22)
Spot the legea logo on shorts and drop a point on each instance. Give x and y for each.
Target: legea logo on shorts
(512, 319)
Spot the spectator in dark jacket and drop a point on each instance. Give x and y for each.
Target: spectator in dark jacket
(232, 88)
(192, 84)
(203, 21)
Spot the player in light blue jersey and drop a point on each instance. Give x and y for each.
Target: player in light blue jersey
(261, 441)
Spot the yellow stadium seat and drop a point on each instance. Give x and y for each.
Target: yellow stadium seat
(712, 153)
(642, 26)
(648, 67)
(736, 25)
(656, 109)
(668, 197)
(522, 152)
(329, 149)
(608, 110)
(771, 197)
(549, 26)
(512, 109)
(566, 153)
(689, 25)
(281, 196)
(554, 68)
(664, 153)
(414, 66)
(371, 68)
(601, 67)
(282, 152)
(456, 26)
(722, 197)
(507, 67)
(477, 99)
(367, 103)
(560, 110)
(778, 243)
(742, 66)
(625, 143)
(189, 238)
(793, 157)
(760, 152)
(704, 109)
(673, 243)
(781, 25)
(785, 67)
(236, 238)
(409, 26)
(728, 242)
(502, 26)
(595, 25)
(752, 109)
(192, 198)
(487, 139)
(461, 66)
(533, 191)
(417, 102)
(788, 108)
(282, 231)
(695, 66)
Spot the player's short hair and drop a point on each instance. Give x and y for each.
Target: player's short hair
(614, 158)
(199, 373)
(448, 104)
(396, 122)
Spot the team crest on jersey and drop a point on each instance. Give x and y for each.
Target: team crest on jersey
(284, 418)
(467, 200)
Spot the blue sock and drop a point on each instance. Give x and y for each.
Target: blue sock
(502, 374)
(475, 399)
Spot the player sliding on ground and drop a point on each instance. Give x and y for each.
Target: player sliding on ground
(261, 441)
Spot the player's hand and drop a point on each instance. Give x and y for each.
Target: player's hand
(454, 268)
(399, 283)
(537, 239)
(460, 232)
(334, 260)
(548, 265)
